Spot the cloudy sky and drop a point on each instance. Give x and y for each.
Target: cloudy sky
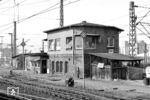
(36, 16)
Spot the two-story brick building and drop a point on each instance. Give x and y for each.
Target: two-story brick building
(65, 47)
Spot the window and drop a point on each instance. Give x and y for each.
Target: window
(53, 66)
(110, 42)
(52, 44)
(66, 66)
(57, 66)
(90, 42)
(78, 42)
(69, 43)
(61, 66)
(58, 44)
(113, 41)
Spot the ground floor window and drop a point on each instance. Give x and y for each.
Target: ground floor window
(59, 66)
(53, 66)
(66, 67)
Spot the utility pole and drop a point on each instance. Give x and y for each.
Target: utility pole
(23, 45)
(14, 40)
(11, 49)
(15, 31)
(61, 14)
(132, 30)
(83, 35)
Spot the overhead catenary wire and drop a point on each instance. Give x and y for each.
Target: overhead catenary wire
(47, 10)
(41, 12)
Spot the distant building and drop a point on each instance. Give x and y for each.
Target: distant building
(126, 47)
(33, 62)
(142, 46)
(5, 54)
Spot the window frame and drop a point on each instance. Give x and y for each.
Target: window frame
(57, 40)
(95, 39)
(69, 43)
(78, 48)
(50, 45)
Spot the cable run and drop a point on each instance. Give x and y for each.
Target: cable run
(46, 10)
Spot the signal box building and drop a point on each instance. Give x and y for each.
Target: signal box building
(84, 49)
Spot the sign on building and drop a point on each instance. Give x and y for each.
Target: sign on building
(100, 65)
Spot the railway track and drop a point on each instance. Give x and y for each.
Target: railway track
(47, 91)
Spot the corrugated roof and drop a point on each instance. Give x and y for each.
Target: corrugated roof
(82, 24)
(116, 56)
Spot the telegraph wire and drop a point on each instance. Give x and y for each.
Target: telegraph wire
(46, 10)
(32, 3)
(41, 12)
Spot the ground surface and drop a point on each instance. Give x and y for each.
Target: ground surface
(132, 89)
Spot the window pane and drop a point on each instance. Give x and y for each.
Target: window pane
(57, 66)
(58, 44)
(90, 42)
(51, 44)
(78, 42)
(69, 43)
(108, 41)
(113, 41)
(66, 67)
(61, 66)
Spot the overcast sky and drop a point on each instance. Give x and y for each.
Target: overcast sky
(106, 12)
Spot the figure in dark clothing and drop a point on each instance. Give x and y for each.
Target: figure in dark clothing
(78, 72)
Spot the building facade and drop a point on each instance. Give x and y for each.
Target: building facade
(68, 46)
(33, 62)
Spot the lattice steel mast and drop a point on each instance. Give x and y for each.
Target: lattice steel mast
(132, 30)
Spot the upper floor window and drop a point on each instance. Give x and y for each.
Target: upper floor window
(51, 44)
(90, 42)
(78, 42)
(110, 41)
(69, 43)
(58, 44)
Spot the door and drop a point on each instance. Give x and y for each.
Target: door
(44, 66)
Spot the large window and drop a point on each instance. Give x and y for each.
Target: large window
(78, 42)
(58, 44)
(69, 43)
(90, 42)
(51, 44)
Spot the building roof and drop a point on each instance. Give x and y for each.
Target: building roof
(33, 54)
(82, 24)
(116, 56)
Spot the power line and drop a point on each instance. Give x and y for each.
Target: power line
(33, 3)
(143, 17)
(46, 10)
